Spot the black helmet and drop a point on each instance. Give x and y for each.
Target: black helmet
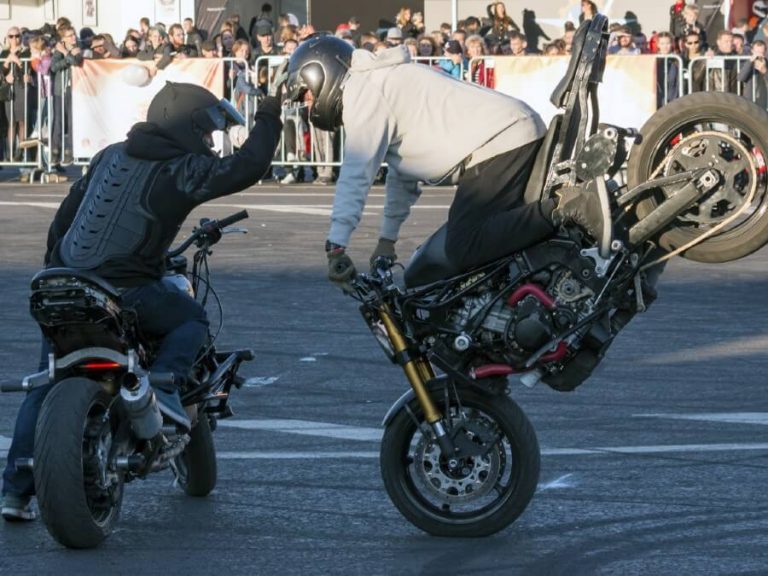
(189, 113)
(320, 64)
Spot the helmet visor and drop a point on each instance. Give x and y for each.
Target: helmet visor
(221, 116)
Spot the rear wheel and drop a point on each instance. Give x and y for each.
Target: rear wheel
(491, 486)
(79, 492)
(196, 466)
(718, 130)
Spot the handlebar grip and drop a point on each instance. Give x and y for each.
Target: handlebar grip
(229, 220)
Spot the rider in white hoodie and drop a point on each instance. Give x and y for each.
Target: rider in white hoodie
(426, 126)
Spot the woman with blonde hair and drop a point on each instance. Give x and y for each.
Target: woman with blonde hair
(477, 71)
(403, 21)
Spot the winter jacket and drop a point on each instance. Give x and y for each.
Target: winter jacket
(120, 219)
(424, 124)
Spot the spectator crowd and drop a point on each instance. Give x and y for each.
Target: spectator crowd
(35, 63)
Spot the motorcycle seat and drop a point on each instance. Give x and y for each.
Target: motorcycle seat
(430, 262)
(86, 275)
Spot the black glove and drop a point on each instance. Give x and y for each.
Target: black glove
(340, 267)
(281, 76)
(384, 249)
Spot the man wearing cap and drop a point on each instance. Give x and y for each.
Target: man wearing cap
(394, 36)
(264, 43)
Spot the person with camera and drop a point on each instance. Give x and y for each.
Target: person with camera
(753, 76)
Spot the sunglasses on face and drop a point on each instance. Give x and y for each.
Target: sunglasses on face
(695, 43)
(14, 35)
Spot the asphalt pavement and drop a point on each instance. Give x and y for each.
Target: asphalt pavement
(657, 465)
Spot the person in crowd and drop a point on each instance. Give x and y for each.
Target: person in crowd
(427, 48)
(532, 31)
(625, 45)
(175, 49)
(354, 26)
(501, 23)
(439, 38)
(289, 47)
(153, 47)
(17, 76)
(412, 45)
(476, 69)
(667, 70)
(130, 47)
(454, 63)
(237, 29)
(492, 149)
(192, 36)
(676, 20)
(460, 36)
(472, 26)
(265, 42)
(245, 91)
(740, 47)
(693, 53)
(722, 72)
(40, 63)
(209, 49)
(148, 184)
(103, 47)
(288, 32)
(144, 27)
(754, 76)
(65, 55)
(588, 10)
(691, 23)
(555, 48)
(394, 37)
(417, 21)
(517, 44)
(404, 24)
(568, 34)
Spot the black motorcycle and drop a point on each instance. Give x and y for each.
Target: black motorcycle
(100, 426)
(458, 456)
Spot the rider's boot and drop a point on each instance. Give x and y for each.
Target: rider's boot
(17, 508)
(588, 206)
(170, 405)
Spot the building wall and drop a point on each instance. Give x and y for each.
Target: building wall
(327, 14)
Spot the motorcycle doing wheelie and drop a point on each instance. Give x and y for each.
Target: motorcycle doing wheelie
(458, 456)
(100, 425)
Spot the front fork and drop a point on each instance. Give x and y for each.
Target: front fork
(418, 371)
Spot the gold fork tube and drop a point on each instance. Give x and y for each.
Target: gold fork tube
(417, 371)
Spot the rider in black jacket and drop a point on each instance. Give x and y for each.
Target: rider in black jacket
(120, 220)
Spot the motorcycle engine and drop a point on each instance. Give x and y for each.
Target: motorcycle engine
(538, 309)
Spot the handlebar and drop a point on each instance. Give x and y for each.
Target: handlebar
(207, 228)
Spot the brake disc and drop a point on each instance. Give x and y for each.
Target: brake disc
(475, 476)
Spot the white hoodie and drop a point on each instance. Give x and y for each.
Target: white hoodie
(424, 124)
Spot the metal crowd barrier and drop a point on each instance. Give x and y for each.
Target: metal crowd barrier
(47, 120)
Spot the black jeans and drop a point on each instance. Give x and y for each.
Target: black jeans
(162, 311)
(488, 218)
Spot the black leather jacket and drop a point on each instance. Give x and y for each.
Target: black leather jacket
(120, 219)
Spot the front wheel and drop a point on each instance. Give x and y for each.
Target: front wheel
(78, 490)
(709, 130)
(489, 489)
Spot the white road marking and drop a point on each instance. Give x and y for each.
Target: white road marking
(5, 443)
(760, 418)
(308, 359)
(32, 204)
(259, 381)
(36, 195)
(307, 428)
(740, 347)
(558, 483)
(295, 455)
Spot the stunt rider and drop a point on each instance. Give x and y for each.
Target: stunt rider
(428, 126)
(119, 221)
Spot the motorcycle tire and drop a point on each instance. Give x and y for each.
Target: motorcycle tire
(706, 111)
(416, 499)
(69, 435)
(197, 464)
